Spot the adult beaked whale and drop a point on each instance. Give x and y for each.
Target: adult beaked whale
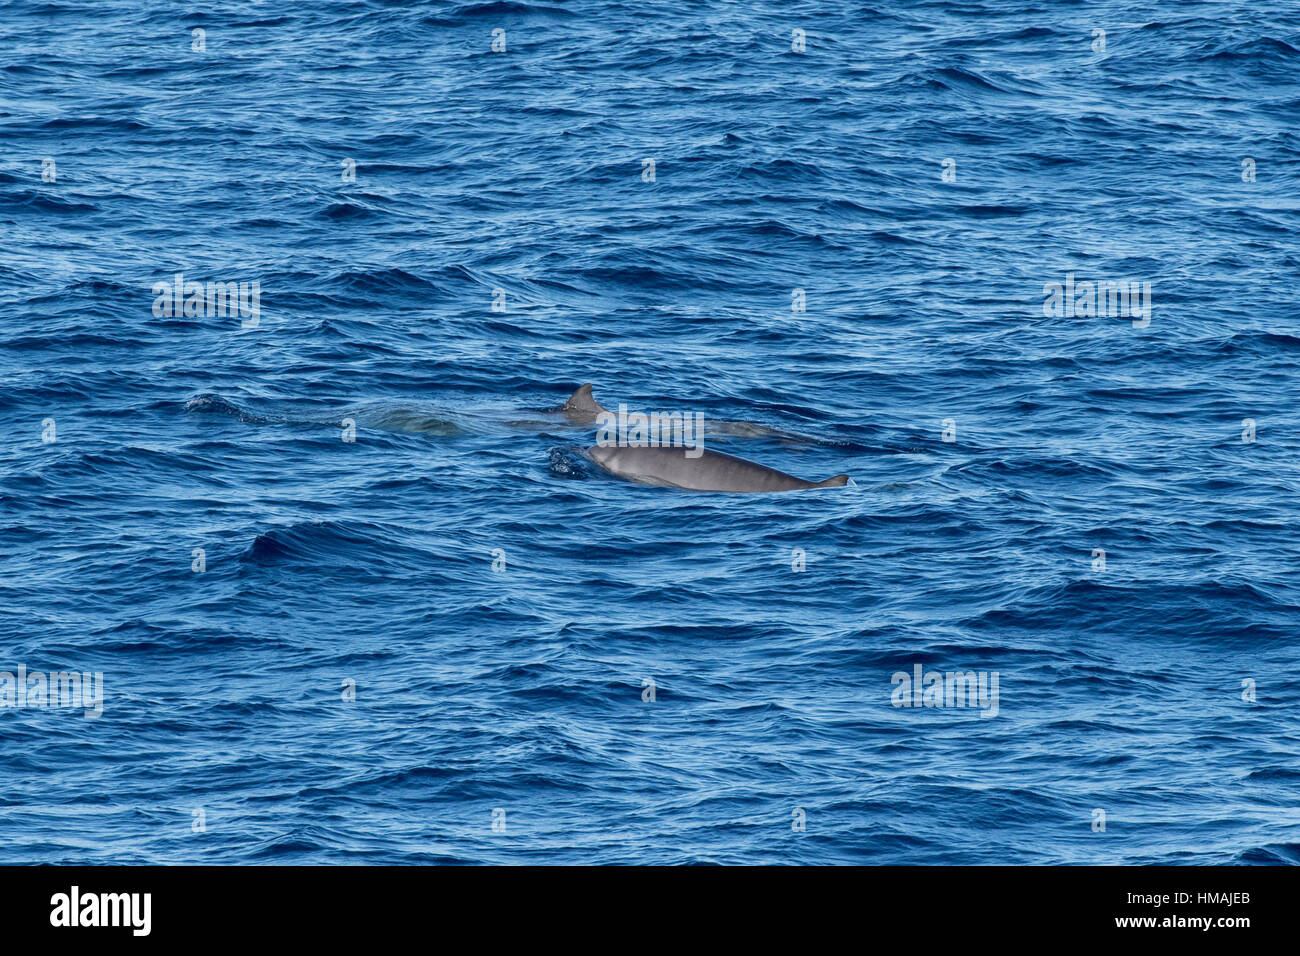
(674, 467)
(581, 408)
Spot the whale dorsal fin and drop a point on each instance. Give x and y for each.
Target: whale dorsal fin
(581, 401)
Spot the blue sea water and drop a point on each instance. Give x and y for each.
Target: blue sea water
(1072, 503)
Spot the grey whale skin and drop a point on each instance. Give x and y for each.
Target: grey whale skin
(581, 408)
(711, 471)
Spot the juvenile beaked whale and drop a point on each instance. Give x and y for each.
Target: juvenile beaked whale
(698, 470)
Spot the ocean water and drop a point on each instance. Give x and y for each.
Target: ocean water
(452, 638)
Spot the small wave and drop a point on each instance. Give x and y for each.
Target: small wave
(1257, 49)
(993, 210)
(28, 201)
(349, 210)
(1258, 343)
(329, 542)
(210, 403)
(465, 12)
(1273, 854)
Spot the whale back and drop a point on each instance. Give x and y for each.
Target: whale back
(708, 471)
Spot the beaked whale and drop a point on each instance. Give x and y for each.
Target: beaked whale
(674, 467)
(581, 408)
